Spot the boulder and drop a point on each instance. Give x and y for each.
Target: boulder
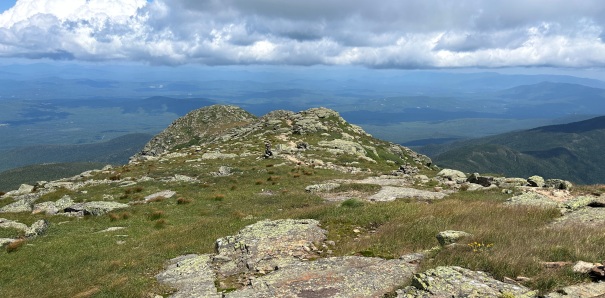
(321, 187)
(558, 184)
(266, 245)
(346, 147)
(484, 181)
(36, 229)
(94, 208)
(218, 155)
(583, 267)
(535, 181)
(191, 275)
(331, 277)
(451, 175)
(51, 208)
(578, 203)
(23, 205)
(532, 199)
(510, 182)
(390, 193)
(5, 241)
(7, 223)
(585, 290)
(458, 282)
(450, 237)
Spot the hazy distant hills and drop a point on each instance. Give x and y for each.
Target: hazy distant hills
(13, 178)
(571, 151)
(114, 151)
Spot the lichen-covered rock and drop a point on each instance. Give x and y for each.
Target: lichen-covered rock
(191, 275)
(51, 208)
(345, 147)
(95, 208)
(322, 187)
(36, 229)
(265, 245)
(451, 175)
(390, 193)
(450, 237)
(578, 203)
(458, 282)
(585, 216)
(531, 199)
(22, 205)
(558, 184)
(331, 277)
(510, 182)
(586, 290)
(535, 181)
(11, 224)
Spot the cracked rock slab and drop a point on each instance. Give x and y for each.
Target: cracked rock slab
(266, 245)
(458, 282)
(586, 290)
(191, 275)
(332, 277)
(95, 208)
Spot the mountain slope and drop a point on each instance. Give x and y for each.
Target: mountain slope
(570, 151)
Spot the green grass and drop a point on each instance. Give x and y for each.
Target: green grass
(124, 263)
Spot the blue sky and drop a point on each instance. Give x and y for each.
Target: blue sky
(411, 34)
(6, 4)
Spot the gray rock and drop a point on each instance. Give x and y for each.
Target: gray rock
(321, 187)
(578, 203)
(223, 171)
(484, 181)
(583, 267)
(510, 182)
(450, 237)
(265, 245)
(457, 282)
(218, 155)
(191, 275)
(535, 181)
(94, 208)
(558, 184)
(586, 290)
(331, 277)
(36, 229)
(6, 223)
(51, 208)
(23, 205)
(390, 193)
(587, 216)
(531, 199)
(166, 194)
(451, 175)
(347, 147)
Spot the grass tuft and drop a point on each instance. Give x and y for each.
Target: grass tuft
(183, 201)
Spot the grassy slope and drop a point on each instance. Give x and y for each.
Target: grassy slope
(72, 259)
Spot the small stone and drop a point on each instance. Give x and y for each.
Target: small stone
(356, 231)
(582, 267)
(450, 237)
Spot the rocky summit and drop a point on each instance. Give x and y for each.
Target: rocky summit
(297, 204)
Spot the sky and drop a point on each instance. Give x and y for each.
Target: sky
(393, 34)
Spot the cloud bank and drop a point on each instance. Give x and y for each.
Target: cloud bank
(380, 34)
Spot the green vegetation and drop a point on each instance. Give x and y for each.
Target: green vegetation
(509, 241)
(11, 179)
(569, 151)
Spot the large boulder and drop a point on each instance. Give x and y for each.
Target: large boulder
(332, 277)
(535, 181)
(452, 175)
(94, 208)
(532, 199)
(267, 245)
(191, 275)
(458, 282)
(585, 290)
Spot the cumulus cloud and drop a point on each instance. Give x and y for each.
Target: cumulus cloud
(385, 34)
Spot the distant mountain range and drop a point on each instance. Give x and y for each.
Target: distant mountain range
(571, 151)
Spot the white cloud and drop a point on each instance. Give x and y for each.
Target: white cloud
(388, 33)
